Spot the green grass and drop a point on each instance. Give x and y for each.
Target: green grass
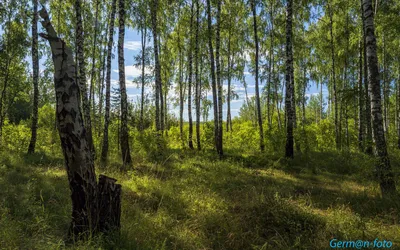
(191, 200)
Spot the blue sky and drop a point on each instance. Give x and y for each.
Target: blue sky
(133, 46)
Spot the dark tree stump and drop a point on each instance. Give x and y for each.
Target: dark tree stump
(109, 198)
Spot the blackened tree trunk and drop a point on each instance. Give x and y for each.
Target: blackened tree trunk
(124, 139)
(213, 81)
(197, 76)
(92, 210)
(35, 65)
(290, 99)
(219, 82)
(80, 41)
(104, 150)
(383, 168)
(258, 106)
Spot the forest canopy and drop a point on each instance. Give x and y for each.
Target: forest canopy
(198, 124)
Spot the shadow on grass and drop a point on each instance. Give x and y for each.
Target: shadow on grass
(35, 208)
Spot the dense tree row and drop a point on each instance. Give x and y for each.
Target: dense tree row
(197, 52)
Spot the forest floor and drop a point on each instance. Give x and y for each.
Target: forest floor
(192, 200)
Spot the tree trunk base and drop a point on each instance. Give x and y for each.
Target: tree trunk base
(109, 204)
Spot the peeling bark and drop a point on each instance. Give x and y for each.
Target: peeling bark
(290, 98)
(383, 168)
(86, 202)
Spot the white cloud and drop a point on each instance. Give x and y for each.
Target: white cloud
(312, 94)
(134, 71)
(133, 45)
(236, 101)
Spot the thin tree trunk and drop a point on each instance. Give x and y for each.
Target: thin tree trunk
(219, 81)
(181, 92)
(94, 46)
(383, 168)
(213, 81)
(385, 91)
(158, 94)
(190, 59)
(144, 35)
(346, 84)
(290, 98)
(259, 117)
(228, 99)
(270, 66)
(104, 150)
(35, 65)
(126, 153)
(368, 123)
(197, 94)
(360, 100)
(101, 82)
(80, 41)
(335, 97)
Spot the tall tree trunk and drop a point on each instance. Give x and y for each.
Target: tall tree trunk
(92, 210)
(180, 72)
(259, 117)
(219, 81)
(94, 45)
(104, 150)
(101, 82)
(335, 97)
(383, 168)
(80, 42)
(190, 59)
(360, 100)
(213, 81)
(346, 120)
(368, 123)
(198, 92)
(126, 153)
(143, 38)
(290, 98)
(35, 65)
(228, 99)
(158, 94)
(321, 100)
(385, 91)
(270, 67)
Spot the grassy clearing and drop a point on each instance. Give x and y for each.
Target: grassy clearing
(189, 200)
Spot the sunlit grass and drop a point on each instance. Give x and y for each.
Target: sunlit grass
(189, 200)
